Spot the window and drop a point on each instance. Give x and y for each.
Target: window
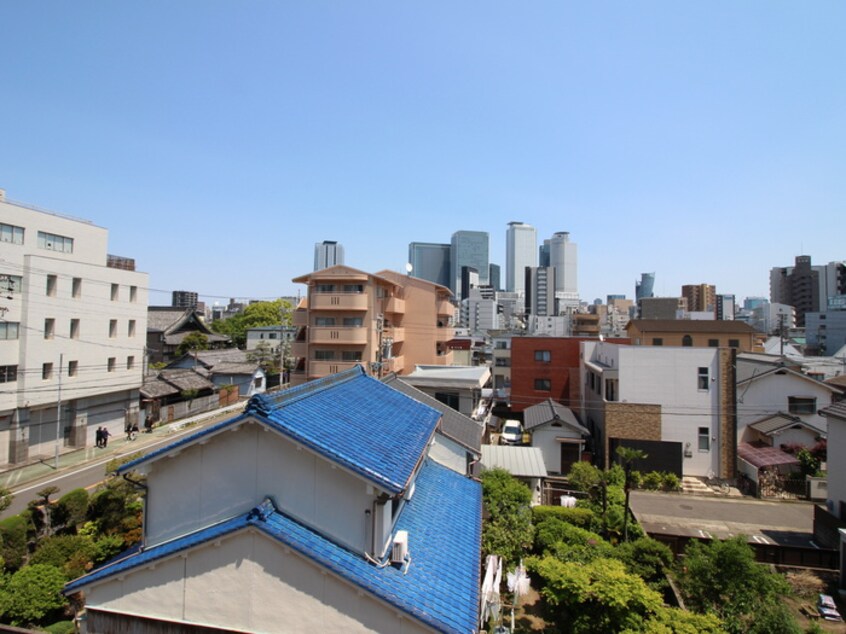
(110, 365)
(353, 288)
(501, 362)
(801, 405)
(115, 291)
(543, 385)
(351, 355)
(130, 328)
(324, 321)
(130, 362)
(542, 356)
(49, 328)
(11, 233)
(657, 341)
(46, 371)
(10, 284)
(324, 355)
(133, 294)
(9, 329)
(687, 341)
(704, 439)
(51, 286)
(8, 373)
(702, 379)
(325, 288)
(713, 343)
(76, 287)
(52, 242)
(74, 329)
(353, 321)
(448, 398)
(610, 390)
(112, 328)
(73, 368)
(734, 343)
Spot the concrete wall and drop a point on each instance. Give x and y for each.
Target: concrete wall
(837, 467)
(449, 453)
(546, 438)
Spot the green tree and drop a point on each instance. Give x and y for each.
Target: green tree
(192, 342)
(265, 357)
(628, 455)
(583, 476)
(13, 541)
(508, 532)
(647, 558)
(6, 498)
(255, 315)
(32, 594)
(72, 554)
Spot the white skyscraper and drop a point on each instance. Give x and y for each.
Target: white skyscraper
(564, 258)
(328, 253)
(521, 250)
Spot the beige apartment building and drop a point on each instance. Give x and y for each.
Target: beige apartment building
(695, 333)
(386, 322)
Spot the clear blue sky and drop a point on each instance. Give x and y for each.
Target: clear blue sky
(218, 141)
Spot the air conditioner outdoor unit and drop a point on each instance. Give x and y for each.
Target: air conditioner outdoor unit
(399, 550)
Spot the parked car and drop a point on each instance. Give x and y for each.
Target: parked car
(512, 433)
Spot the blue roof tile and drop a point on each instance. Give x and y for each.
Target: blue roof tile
(441, 584)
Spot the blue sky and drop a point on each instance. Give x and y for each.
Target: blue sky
(218, 141)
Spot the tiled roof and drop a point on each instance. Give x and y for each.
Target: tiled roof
(522, 462)
(837, 410)
(154, 387)
(549, 412)
(440, 586)
(776, 422)
(185, 379)
(176, 338)
(235, 368)
(455, 425)
(349, 418)
(761, 456)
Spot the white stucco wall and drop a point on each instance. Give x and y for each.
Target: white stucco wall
(546, 439)
(449, 453)
(248, 582)
(836, 464)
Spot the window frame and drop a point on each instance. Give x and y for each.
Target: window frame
(703, 438)
(542, 385)
(543, 356)
(703, 379)
(8, 373)
(47, 371)
(12, 231)
(74, 328)
(10, 330)
(111, 364)
(54, 242)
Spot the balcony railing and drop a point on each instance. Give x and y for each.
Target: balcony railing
(332, 335)
(338, 301)
(395, 305)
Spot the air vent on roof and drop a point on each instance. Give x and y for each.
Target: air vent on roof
(399, 549)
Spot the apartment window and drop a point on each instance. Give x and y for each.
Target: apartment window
(110, 365)
(801, 405)
(73, 368)
(353, 288)
(8, 373)
(133, 294)
(51, 286)
(324, 321)
(713, 343)
(734, 343)
(130, 362)
(130, 329)
(112, 328)
(687, 341)
(9, 330)
(74, 329)
(11, 233)
(610, 390)
(657, 341)
(115, 291)
(704, 439)
(52, 242)
(543, 385)
(49, 328)
(325, 288)
(10, 284)
(353, 321)
(702, 379)
(46, 371)
(351, 355)
(543, 356)
(76, 287)
(501, 362)
(324, 355)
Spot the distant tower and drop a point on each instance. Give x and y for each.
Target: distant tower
(468, 248)
(521, 251)
(430, 261)
(493, 278)
(328, 253)
(701, 298)
(643, 287)
(184, 299)
(564, 258)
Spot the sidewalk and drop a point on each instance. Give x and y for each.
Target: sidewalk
(45, 466)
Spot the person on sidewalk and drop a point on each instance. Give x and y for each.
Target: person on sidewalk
(105, 435)
(99, 437)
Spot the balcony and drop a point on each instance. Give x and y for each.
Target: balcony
(395, 305)
(338, 301)
(443, 335)
(397, 334)
(445, 308)
(334, 335)
(395, 364)
(300, 318)
(316, 369)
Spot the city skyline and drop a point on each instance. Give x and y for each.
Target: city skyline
(699, 142)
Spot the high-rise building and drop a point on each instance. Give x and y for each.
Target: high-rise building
(184, 299)
(430, 261)
(644, 286)
(701, 298)
(726, 307)
(494, 279)
(521, 251)
(328, 253)
(564, 258)
(540, 291)
(543, 254)
(797, 286)
(468, 248)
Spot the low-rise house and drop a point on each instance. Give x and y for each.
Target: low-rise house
(316, 510)
(226, 367)
(167, 327)
(172, 394)
(556, 431)
(458, 386)
(524, 463)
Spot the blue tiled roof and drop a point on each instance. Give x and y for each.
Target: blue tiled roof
(350, 418)
(441, 584)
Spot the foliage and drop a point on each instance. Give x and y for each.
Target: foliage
(647, 558)
(33, 593)
(61, 627)
(254, 315)
(771, 616)
(809, 464)
(70, 510)
(192, 342)
(583, 476)
(577, 516)
(652, 481)
(723, 577)
(675, 621)
(13, 541)
(628, 455)
(116, 510)
(74, 555)
(264, 356)
(553, 532)
(508, 532)
(671, 482)
(6, 498)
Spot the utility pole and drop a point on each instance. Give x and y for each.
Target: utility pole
(59, 410)
(380, 327)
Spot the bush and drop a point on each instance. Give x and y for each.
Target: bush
(671, 482)
(583, 476)
(72, 554)
(647, 558)
(13, 541)
(61, 627)
(576, 516)
(33, 593)
(71, 508)
(652, 481)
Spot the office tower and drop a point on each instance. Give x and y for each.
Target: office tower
(726, 307)
(701, 298)
(543, 254)
(540, 291)
(564, 258)
(494, 278)
(469, 280)
(430, 261)
(521, 250)
(797, 286)
(184, 299)
(328, 253)
(468, 248)
(643, 287)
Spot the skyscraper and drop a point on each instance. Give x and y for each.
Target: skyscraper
(797, 286)
(328, 253)
(701, 298)
(468, 248)
(430, 261)
(564, 258)
(521, 250)
(644, 286)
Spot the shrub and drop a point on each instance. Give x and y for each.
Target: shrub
(647, 558)
(671, 482)
(33, 593)
(583, 476)
(652, 481)
(576, 516)
(72, 554)
(70, 509)
(61, 627)
(13, 541)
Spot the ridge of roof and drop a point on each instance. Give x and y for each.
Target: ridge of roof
(265, 403)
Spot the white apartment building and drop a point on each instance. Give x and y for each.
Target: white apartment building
(73, 323)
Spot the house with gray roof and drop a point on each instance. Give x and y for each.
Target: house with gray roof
(459, 386)
(228, 366)
(559, 435)
(318, 509)
(168, 326)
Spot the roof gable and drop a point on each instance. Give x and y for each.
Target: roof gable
(551, 412)
(786, 371)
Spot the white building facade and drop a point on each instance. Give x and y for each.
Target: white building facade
(521, 250)
(73, 331)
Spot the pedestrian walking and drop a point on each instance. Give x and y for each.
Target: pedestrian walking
(99, 437)
(105, 434)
